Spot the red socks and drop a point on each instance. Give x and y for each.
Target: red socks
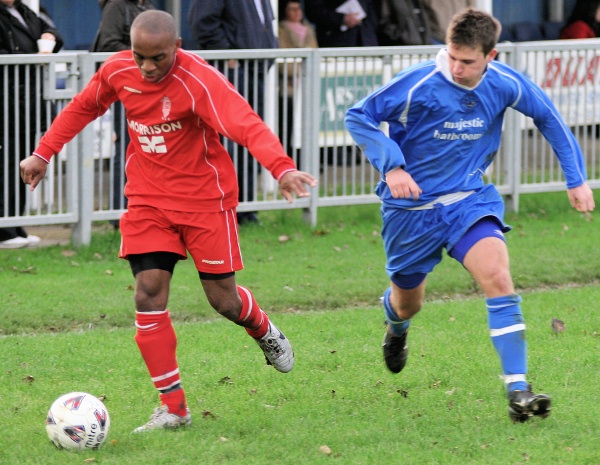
(175, 400)
(252, 317)
(157, 342)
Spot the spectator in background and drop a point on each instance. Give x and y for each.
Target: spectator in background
(20, 29)
(293, 32)
(238, 24)
(343, 23)
(584, 22)
(113, 36)
(117, 15)
(403, 22)
(440, 12)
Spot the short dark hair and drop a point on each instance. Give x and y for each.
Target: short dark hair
(474, 28)
(156, 21)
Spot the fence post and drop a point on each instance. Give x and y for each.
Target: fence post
(517, 130)
(513, 137)
(311, 118)
(82, 230)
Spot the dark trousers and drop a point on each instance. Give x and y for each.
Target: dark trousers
(12, 189)
(18, 131)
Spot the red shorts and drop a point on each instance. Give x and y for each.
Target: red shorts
(210, 238)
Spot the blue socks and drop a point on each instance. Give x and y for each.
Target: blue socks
(507, 329)
(398, 326)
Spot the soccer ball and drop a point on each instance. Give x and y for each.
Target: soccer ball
(78, 421)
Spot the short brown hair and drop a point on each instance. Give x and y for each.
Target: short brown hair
(474, 28)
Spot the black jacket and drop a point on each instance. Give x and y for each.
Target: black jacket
(114, 32)
(230, 24)
(403, 22)
(15, 38)
(328, 23)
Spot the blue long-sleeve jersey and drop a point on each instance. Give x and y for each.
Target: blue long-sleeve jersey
(445, 135)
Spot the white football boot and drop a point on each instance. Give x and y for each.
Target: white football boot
(162, 419)
(277, 348)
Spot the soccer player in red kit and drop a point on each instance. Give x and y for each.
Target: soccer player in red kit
(182, 190)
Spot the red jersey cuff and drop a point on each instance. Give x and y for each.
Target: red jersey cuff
(283, 172)
(45, 153)
(39, 155)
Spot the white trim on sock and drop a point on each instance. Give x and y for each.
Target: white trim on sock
(166, 375)
(507, 330)
(154, 312)
(508, 379)
(249, 296)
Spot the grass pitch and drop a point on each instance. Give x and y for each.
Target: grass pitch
(66, 325)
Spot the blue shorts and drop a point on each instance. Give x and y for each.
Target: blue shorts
(414, 239)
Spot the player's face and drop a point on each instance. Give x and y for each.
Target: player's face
(154, 53)
(467, 65)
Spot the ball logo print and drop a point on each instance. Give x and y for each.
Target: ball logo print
(77, 421)
(75, 433)
(74, 402)
(101, 418)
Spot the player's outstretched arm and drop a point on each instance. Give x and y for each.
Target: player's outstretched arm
(295, 182)
(33, 170)
(581, 198)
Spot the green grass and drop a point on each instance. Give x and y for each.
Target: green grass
(447, 407)
(67, 324)
(288, 265)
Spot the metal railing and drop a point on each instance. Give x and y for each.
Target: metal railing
(303, 94)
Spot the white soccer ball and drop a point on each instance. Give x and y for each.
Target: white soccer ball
(78, 421)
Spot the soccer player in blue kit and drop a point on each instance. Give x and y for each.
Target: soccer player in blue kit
(445, 123)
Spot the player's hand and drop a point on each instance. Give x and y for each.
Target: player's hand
(402, 185)
(33, 170)
(295, 182)
(581, 198)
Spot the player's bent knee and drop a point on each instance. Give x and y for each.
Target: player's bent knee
(145, 302)
(152, 290)
(407, 298)
(498, 283)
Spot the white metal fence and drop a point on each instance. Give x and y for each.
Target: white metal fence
(85, 181)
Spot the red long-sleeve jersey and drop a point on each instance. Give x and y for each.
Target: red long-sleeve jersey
(175, 160)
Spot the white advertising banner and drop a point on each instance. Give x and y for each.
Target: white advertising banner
(572, 80)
